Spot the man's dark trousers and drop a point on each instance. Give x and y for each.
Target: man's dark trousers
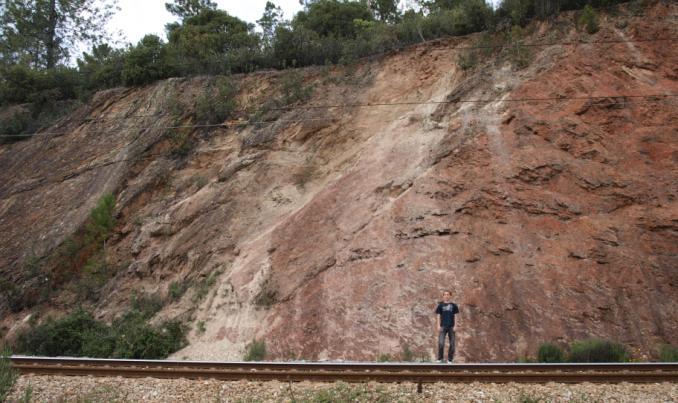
(449, 332)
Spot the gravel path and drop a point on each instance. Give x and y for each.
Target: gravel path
(91, 389)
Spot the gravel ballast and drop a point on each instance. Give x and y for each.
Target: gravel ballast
(94, 389)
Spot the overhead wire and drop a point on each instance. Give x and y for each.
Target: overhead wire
(611, 100)
(616, 99)
(570, 43)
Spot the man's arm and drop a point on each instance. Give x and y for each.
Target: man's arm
(438, 313)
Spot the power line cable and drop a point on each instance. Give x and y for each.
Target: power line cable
(145, 156)
(140, 116)
(571, 43)
(488, 100)
(142, 157)
(174, 127)
(617, 99)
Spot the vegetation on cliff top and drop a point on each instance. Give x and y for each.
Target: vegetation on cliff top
(208, 40)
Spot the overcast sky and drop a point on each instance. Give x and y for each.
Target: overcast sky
(137, 18)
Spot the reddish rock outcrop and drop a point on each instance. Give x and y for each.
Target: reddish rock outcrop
(550, 215)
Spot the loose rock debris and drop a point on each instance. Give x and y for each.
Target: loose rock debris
(95, 389)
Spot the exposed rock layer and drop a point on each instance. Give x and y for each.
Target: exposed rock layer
(334, 230)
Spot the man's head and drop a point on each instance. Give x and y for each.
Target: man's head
(446, 296)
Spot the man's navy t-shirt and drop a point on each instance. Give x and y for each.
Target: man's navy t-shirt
(447, 312)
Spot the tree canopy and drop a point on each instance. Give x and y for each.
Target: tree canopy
(37, 38)
(189, 8)
(42, 33)
(269, 21)
(385, 10)
(333, 17)
(206, 39)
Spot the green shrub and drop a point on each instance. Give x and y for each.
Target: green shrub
(200, 181)
(595, 350)
(21, 84)
(146, 62)
(146, 304)
(102, 68)
(407, 355)
(668, 353)
(65, 336)
(267, 295)
(88, 247)
(205, 284)
(44, 98)
(177, 290)
(36, 287)
(384, 358)
(519, 55)
(99, 343)
(79, 334)
(211, 108)
(14, 123)
(137, 339)
(12, 295)
(293, 89)
(549, 352)
(589, 20)
(101, 220)
(7, 374)
(80, 261)
(181, 141)
(255, 351)
(467, 59)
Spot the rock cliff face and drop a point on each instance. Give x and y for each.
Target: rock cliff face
(332, 231)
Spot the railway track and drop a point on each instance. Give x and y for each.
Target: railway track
(352, 372)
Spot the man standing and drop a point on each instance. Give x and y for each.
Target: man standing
(446, 311)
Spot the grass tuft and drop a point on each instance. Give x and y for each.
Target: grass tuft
(255, 351)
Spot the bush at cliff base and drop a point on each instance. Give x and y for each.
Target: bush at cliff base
(595, 350)
(7, 374)
(80, 335)
(549, 352)
(668, 353)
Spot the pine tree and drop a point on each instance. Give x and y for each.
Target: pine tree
(269, 21)
(41, 33)
(189, 8)
(385, 10)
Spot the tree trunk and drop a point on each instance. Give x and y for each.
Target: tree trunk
(51, 42)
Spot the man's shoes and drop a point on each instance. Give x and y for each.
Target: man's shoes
(449, 361)
(439, 361)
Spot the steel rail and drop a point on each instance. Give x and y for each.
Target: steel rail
(352, 372)
(386, 366)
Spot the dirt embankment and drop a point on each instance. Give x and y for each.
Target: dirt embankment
(331, 232)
